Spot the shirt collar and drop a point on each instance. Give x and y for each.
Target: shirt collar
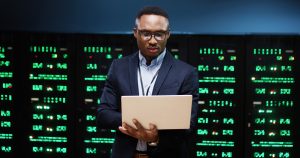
(155, 62)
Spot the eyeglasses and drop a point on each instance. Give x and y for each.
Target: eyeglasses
(147, 35)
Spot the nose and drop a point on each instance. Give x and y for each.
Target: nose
(152, 40)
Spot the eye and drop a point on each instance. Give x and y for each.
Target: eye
(146, 34)
(158, 34)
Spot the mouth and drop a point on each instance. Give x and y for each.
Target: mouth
(152, 49)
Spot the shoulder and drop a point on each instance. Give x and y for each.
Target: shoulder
(125, 60)
(182, 65)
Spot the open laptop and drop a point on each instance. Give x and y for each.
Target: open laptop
(165, 111)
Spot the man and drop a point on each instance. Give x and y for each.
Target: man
(150, 71)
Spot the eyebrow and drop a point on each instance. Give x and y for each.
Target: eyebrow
(152, 31)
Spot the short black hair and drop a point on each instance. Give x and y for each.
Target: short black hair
(152, 10)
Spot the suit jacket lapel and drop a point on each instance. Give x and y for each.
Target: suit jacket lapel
(133, 64)
(163, 72)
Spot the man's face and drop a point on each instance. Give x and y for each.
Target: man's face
(152, 34)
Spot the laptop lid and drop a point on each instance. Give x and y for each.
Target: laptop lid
(165, 111)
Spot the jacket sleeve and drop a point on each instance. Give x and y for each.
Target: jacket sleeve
(108, 112)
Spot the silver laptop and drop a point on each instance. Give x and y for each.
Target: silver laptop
(165, 111)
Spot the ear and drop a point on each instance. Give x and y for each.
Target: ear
(168, 34)
(135, 33)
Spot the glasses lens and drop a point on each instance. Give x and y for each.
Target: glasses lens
(147, 35)
(159, 36)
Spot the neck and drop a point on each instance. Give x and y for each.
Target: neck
(148, 61)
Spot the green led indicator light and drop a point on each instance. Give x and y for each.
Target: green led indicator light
(61, 150)
(5, 97)
(6, 85)
(2, 55)
(210, 51)
(5, 113)
(96, 78)
(90, 118)
(62, 88)
(49, 129)
(50, 117)
(227, 154)
(43, 107)
(43, 49)
(2, 50)
(286, 68)
(37, 127)
(272, 134)
(202, 120)
(54, 56)
(267, 51)
(285, 133)
(91, 129)
(120, 56)
(227, 132)
(6, 149)
(279, 58)
(95, 49)
(5, 124)
(259, 155)
(37, 149)
(90, 150)
(6, 74)
(260, 68)
(65, 56)
(283, 121)
(201, 154)
(176, 56)
(208, 110)
(203, 91)
(216, 143)
(217, 80)
(62, 117)
(48, 139)
(272, 144)
(228, 68)
(37, 65)
(260, 91)
(37, 87)
(286, 80)
(54, 100)
(108, 56)
(61, 128)
(6, 136)
(232, 58)
(48, 77)
(91, 66)
(228, 121)
(291, 58)
(260, 120)
(203, 68)
(62, 66)
(259, 132)
(100, 140)
(228, 91)
(221, 103)
(4, 63)
(202, 132)
(37, 116)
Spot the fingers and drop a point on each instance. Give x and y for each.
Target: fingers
(152, 126)
(140, 132)
(137, 124)
(123, 130)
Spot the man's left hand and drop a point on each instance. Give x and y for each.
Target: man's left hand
(148, 135)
